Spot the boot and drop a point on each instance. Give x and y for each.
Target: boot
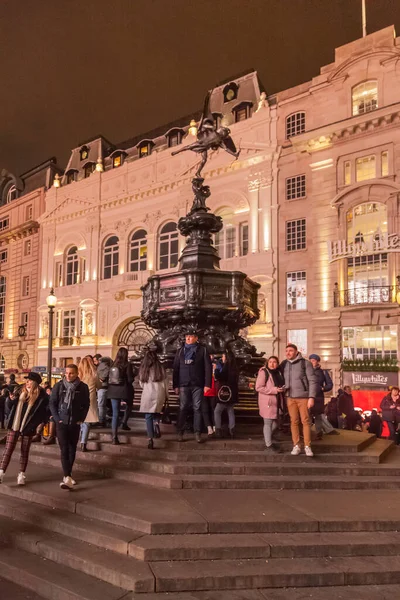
(52, 435)
(83, 448)
(232, 433)
(218, 433)
(115, 441)
(38, 435)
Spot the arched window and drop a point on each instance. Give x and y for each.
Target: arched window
(138, 251)
(168, 246)
(2, 306)
(365, 97)
(242, 111)
(12, 194)
(367, 270)
(145, 148)
(72, 266)
(71, 175)
(295, 124)
(111, 257)
(174, 137)
(118, 157)
(89, 169)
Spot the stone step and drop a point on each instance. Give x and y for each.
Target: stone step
(11, 591)
(359, 592)
(182, 576)
(69, 524)
(250, 546)
(53, 581)
(121, 571)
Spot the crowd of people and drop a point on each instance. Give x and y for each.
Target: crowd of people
(291, 394)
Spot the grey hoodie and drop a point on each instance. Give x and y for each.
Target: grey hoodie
(300, 381)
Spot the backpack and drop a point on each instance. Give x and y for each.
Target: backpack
(328, 381)
(103, 370)
(115, 376)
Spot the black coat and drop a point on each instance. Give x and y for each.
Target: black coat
(389, 414)
(123, 391)
(325, 384)
(78, 408)
(228, 376)
(345, 403)
(200, 372)
(37, 414)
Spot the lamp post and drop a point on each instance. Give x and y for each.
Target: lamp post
(51, 301)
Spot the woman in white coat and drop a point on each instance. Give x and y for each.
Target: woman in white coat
(88, 374)
(153, 380)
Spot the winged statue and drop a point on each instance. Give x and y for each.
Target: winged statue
(210, 138)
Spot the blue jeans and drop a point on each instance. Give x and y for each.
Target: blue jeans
(102, 404)
(85, 428)
(190, 396)
(116, 405)
(219, 409)
(150, 419)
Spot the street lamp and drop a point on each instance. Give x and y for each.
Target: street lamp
(51, 301)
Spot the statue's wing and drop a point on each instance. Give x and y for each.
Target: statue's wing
(229, 144)
(206, 110)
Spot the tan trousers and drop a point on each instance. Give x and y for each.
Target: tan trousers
(298, 409)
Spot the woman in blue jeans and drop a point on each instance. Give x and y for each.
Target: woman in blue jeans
(153, 380)
(120, 389)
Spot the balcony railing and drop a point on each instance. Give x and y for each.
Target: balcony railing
(366, 295)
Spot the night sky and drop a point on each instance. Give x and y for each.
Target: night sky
(73, 69)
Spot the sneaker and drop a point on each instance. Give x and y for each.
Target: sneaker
(73, 481)
(1, 475)
(21, 478)
(115, 441)
(296, 451)
(125, 427)
(66, 483)
(308, 451)
(270, 450)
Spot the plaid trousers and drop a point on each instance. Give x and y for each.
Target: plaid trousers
(11, 442)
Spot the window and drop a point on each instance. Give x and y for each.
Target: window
(58, 275)
(72, 266)
(145, 148)
(24, 319)
(27, 247)
(347, 172)
(3, 256)
(385, 164)
(111, 257)
(369, 342)
(296, 290)
(2, 304)
(89, 169)
(138, 251)
(296, 234)
(225, 241)
(168, 246)
(230, 92)
(242, 111)
(4, 223)
(84, 152)
(26, 285)
(365, 97)
(71, 175)
(12, 194)
(29, 213)
(244, 238)
(118, 159)
(365, 168)
(68, 323)
(295, 124)
(174, 138)
(296, 187)
(299, 338)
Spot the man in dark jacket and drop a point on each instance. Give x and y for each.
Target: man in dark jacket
(325, 384)
(192, 377)
(346, 408)
(301, 387)
(69, 405)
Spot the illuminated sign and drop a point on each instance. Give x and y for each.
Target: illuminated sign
(371, 245)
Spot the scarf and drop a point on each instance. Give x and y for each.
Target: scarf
(276, 375)
(70, 386)
(189, 351)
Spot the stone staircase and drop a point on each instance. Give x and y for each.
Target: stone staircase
(172, 523)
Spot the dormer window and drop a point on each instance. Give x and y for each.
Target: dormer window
(145, 148)
(217, 119)
(295, 124)
(12, 194)
(71, 175)
(117, 158)
(174, 137)
(84, 152)
(365, 97)
(89, 169)
(230, 92)
(242, 111)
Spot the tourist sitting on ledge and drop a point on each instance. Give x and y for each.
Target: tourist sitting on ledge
(390, 407)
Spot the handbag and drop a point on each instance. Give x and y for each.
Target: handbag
(166, 417)
(224, 394)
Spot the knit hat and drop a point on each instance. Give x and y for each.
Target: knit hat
(315, 357)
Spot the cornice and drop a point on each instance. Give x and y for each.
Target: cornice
(17, 233)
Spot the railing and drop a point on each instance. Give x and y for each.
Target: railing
(66, 341)
(366, 295)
